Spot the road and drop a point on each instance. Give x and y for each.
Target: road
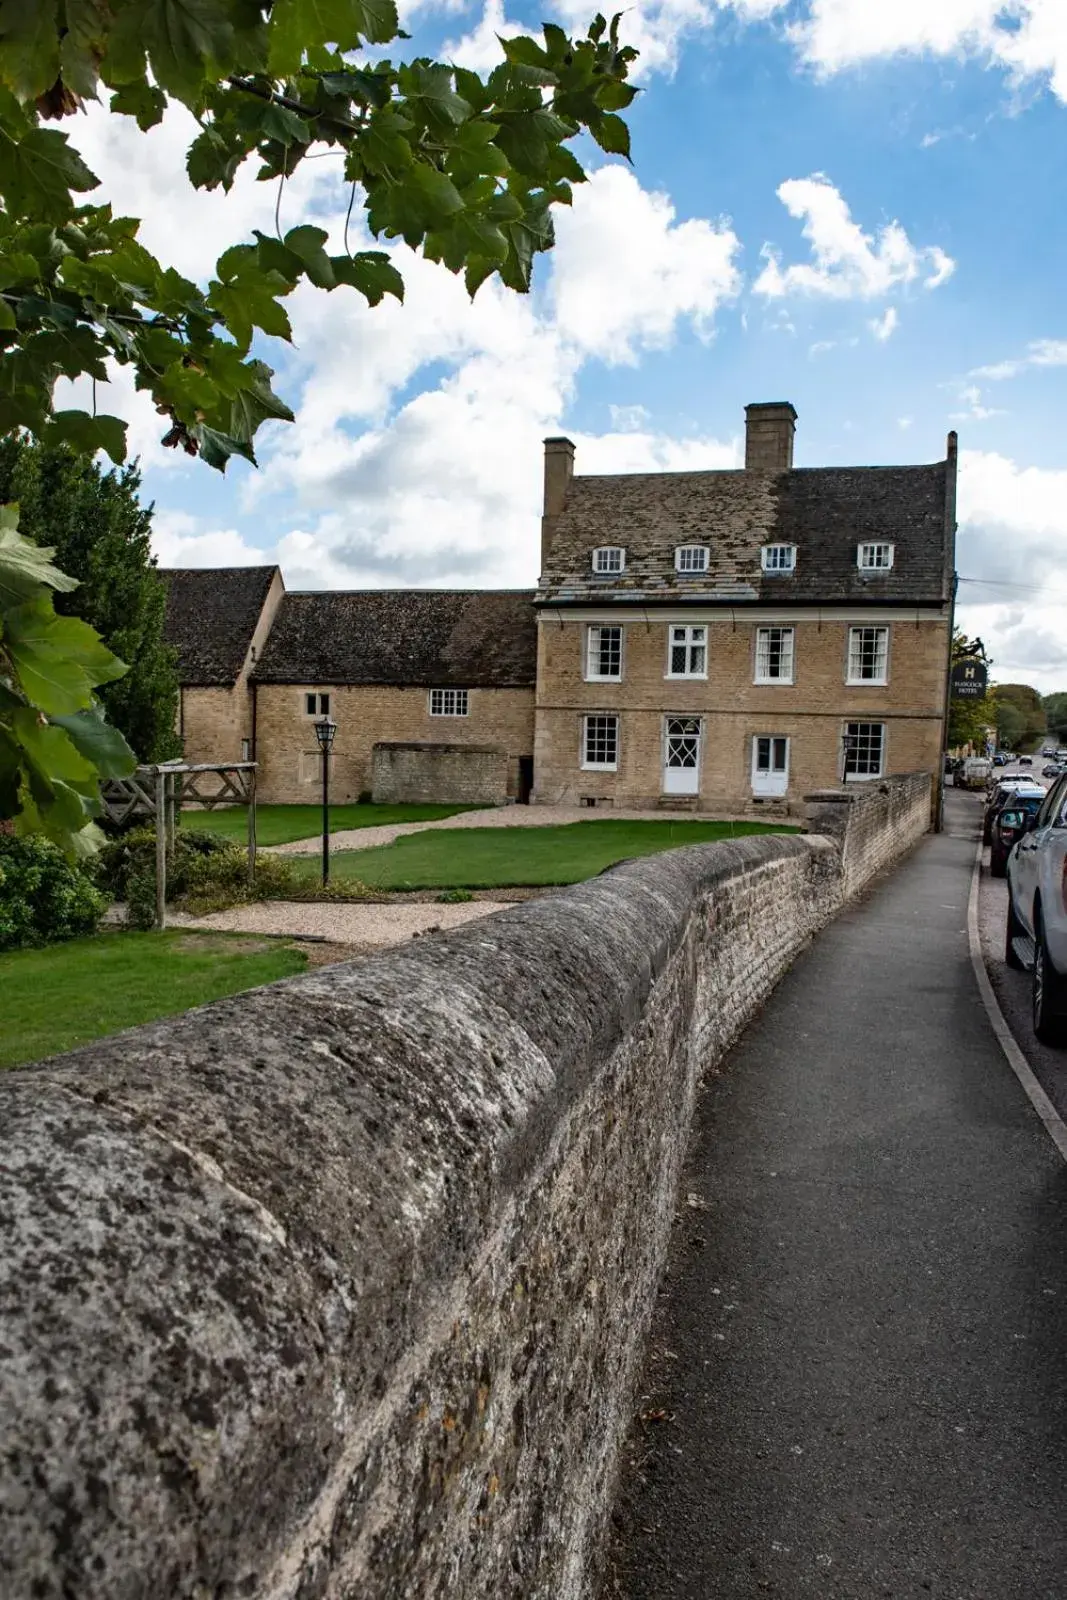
(858, 1380)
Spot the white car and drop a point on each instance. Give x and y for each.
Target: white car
(1036, 934)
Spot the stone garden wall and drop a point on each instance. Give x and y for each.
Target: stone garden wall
(339, 1288)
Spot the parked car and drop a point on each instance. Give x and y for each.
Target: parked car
(1048, 750)
(1051, 769)
(976, 769)
(1006, 792)
(1008, 826)
(1036, 932)
(1000, 759)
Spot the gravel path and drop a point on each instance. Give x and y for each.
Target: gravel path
(368, 927)
(492, 817)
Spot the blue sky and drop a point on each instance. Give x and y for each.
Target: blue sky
(854, 206)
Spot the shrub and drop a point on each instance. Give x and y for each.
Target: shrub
(205, 872)
(454, 897)
(43, 896)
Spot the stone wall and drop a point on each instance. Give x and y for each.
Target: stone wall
(290, 768)
(444, 774)
(873, 822)
(339, 1288)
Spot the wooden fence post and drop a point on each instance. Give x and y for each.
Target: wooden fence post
(161, 850)
(252, 827)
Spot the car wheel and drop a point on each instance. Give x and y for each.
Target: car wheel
(998, 866)
(1050, 1023)
(1013, 930)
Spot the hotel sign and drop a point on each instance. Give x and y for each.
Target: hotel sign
(970, 680)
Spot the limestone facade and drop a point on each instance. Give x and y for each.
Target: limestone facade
(290, 767)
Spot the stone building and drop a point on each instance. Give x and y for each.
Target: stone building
(732, 640)
(721, 641)
(432, 692)
(218, 619)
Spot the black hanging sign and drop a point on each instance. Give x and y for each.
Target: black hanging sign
(970, 680)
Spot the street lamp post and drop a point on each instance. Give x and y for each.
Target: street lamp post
(325, 732)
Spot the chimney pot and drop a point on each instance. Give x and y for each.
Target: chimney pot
(769, 430)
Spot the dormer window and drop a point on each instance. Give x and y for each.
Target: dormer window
(874, 557)
(609, 559)
(691, 558)
(778, 557)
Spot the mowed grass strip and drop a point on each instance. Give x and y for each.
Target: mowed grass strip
(85, 989)
(283, 824)
(504, 858)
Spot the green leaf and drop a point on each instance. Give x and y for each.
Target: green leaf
(25, 566)
(141, 100)
(213, 160)
(58, 661)
(365, 87)
(612, 135)
(371, 272)
(297, 27)
(216, 448)
(29, 47)
(431, 87)
(88, 433)
(38, 172)
(527, 138)
(306, 243)
(99, 742)
(189, 43)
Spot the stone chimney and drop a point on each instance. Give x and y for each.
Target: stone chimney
(559, 470)
(769, 430)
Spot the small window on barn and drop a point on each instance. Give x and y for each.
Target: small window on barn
(874, 557)
(316, 705)
(691, 558)
(609, 559)
(449, 702)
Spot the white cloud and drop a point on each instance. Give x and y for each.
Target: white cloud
(181, 540)
(970, 396)
(443, 486)
(1039, 353)
(1027, 38)
(628, 419)
(660, 269)
(846, 263)
(883, 327)
(479, 50)
(1013, 524)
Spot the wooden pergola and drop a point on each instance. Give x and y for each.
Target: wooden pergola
(160, 790)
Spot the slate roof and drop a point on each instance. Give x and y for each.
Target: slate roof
(485, 638)
(824, 511)
(211, 616)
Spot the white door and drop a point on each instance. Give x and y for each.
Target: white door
(681, 755)
(770, 765)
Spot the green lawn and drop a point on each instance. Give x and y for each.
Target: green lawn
(69, 993)
(496, 858)
(283, 824)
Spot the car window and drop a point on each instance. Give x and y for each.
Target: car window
(1052, 806)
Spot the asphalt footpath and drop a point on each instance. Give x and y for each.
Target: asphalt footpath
(857, 1385)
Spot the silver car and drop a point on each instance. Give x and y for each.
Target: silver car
(1036, 935)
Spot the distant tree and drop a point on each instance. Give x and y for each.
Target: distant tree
(101, 536)
(1011, 724)
(1056, 715)
(1028, 702)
